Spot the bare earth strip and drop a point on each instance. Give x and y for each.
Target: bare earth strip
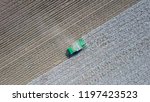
(37, 37)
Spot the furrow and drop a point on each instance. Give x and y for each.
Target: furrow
(23, 38)
(16, 52)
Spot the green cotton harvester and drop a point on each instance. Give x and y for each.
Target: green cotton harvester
(76, 47)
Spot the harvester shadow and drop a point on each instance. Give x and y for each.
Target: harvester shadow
(71, 55)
